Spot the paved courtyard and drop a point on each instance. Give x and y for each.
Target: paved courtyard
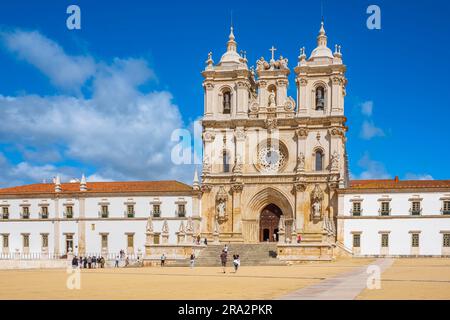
(342, 279)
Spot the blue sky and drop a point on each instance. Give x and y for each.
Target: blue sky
(104, 100)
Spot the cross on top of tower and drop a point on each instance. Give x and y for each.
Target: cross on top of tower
(273, 49)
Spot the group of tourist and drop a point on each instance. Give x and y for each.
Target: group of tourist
(88, 262)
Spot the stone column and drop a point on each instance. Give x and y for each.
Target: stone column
(242, 99)
(82, 227)
(209, 98)
(281, 231)
(237, 215)
(56, 228)
(302, 95)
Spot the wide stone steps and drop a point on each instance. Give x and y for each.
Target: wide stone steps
(263, 254)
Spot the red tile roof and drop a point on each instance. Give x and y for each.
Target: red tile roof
(101, 187)
(398, 184)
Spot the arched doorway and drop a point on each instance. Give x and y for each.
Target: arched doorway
(268, 223)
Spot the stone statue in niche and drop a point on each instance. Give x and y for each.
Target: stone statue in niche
(221, 207)
(272, 102)
(316, 209)
(316, 200)
(320, 100)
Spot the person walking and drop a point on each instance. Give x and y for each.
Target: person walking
(74, 262)
(236, 262)
(299, 238)
(163, 259)
(223, 260)
(94, 262)
(192, 260)
(206, 242)
(89, 261)
(127, 261)
(225, 249)
(85, 261)
(102, 262)
(80, 262)
(116, 265)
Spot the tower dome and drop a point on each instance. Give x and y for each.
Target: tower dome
(321, 51)
(231, 56)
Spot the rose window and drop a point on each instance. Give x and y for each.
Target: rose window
(271, 159)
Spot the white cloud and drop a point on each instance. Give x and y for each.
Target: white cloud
(371, 169)
(367, 108)
(421, 176)
(68, 72)
(121, 131)
(369, 130)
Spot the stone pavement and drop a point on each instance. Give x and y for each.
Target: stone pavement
(346, 286)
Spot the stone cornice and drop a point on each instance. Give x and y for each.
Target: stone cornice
(288, 123)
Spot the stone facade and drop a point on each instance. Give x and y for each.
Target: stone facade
(267, 152)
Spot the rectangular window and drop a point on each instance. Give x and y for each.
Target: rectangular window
(26, 240)
(104, 212)
(415, 240)
(446, 207)
(415, 208)
(44, 240)
(25, 212)
(356, 208)
(356, 240)
(130, 240)
(181, 210)
(446, 243)
(104, 241)
(5, 240)
(69, 212)
(385, 208)
(385, 240)
(44, 212)
(130, 211)
(156, 210)
(5, 212)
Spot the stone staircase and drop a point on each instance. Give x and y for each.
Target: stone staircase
(261, 254)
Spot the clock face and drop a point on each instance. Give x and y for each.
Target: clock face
(271, 159)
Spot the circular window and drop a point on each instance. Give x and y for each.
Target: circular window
(271, 158)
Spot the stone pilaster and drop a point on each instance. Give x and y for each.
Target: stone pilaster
(82, 227)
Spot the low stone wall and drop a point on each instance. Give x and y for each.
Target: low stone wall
(173, 253)
(299, 252)
(33, 264)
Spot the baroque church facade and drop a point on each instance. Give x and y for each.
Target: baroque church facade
(274, 170)
(273, 163)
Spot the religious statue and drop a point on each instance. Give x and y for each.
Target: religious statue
(301, 162)
(320, 100)
(335, 161)
(316, 209)
(283, 63)
(221, 209)
(272, 102)
(206, 164)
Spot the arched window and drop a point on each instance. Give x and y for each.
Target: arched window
(319, 160)
(227, 102)
(320, 98)
(226, 162)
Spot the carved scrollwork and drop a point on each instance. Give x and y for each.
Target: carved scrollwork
(289, 105)
(209, 136)
(302, 133)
